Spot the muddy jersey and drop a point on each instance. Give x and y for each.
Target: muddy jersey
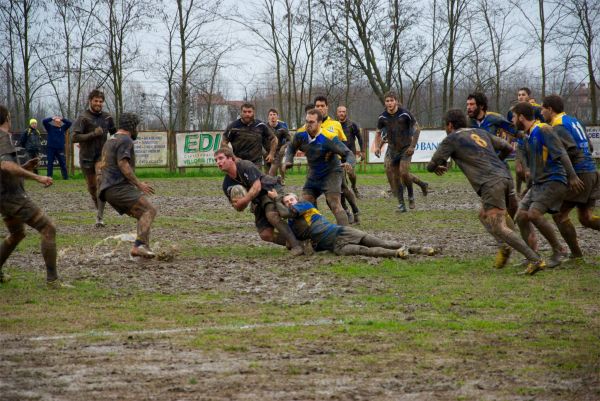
(309, 223)
(572, 134)
(493, 123)
(248, 140)
(474, 151)
(352, 133)
(399, 128)
(318, 152)
(90, 147)
(11, 186)
(247, 174)
(543, 152)
(117, 148)
(282, 133)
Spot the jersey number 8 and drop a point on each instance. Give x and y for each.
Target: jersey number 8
(479, 141)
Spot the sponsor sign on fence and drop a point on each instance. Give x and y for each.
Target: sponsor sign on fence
(594, 134)
(150, 150)
(195, 149)
(426, 147)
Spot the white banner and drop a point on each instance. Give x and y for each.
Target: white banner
(594, 133)
(429, 141)
(150, 150)
(195, 149)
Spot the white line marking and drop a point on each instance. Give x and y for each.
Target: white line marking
(321, 322)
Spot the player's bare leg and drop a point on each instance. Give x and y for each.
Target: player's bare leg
(352, 249)
(352, 178)
(348, 194)
(100, 204)
(284, 234)
(422, 184)
(16, 233)
(406, 180)
(145, 213)
(587, 218)
(519, 175)
(334, 201)
(393, 175)
(537, 218)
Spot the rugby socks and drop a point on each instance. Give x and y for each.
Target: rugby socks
(400, 194)
(367, 251)
(410, 191)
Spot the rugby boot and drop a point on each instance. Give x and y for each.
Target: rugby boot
(58, 284)
(401, 208)
(556, 259)
(99, 223)
(427, 250)
(411, 203)
(402, 253)
(142, 251)
(502, 257)
(297, 250)
(534, 267)
(424, 188)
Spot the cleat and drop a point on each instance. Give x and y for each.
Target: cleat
(534, 267)
(297, 250)
(402, 253)
(99, 223)
(142, 251)
(556, 259)
(428, 250)
(356, 218)
(58, 284)
(425, 188)
(401, 208)
(411, 203)
(502, 257)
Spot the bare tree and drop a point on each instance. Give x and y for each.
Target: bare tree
(452, 19)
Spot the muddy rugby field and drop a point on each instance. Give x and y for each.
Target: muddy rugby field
(224, 316)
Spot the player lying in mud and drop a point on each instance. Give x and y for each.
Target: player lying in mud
(308, 223)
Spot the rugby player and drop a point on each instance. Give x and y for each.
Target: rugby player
(120, 187)
(552, 176)
(280, 129)
(352, 132)
(266, 218)
(90, 131)
(399, 128)
(480, 157)
(576, 141)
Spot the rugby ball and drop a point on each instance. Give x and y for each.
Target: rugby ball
(237, 192)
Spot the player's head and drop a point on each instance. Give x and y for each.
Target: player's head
(476, 104)
(273, 116)
(308, 107)
(289, 199)
(224, 158)
(342, 113)
(129, 122)
(96, 100)
(390, 100)
(313, 121)
(523, 94)
(551, 106)
(4, 116)
(454, 119)
(321, 104)
(247, 113)
(523, 115)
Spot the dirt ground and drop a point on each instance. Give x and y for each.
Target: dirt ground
(158, 366)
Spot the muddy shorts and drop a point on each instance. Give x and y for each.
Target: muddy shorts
(589, 195)
(495, 194)
(261, 203)
(21, 208)
(347, 236)
(394, 157)
(330, 184)
(122, 197)
(546, 197)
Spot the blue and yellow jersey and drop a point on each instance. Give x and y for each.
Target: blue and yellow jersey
(537, 113)
(495, 124)
(544, 150)
(575, 140)
(311, 224)
(330, 128)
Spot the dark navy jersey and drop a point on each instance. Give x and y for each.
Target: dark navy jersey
(352, 132)
(399, 128)
(493, 123)
(118, 147)
(543, 152)
(282, 133)
(576, 141)
(537, 113)
(248, 140)
(247, 175)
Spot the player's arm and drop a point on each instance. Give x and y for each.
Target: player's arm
(416, 131)
(359, 139)
(131, 177)
(274, 142)
(241, 203)
(46, 123)
(83, 131)
(225, 138)
(439, 161)
(501, 146)
(66, 124)
(291, 150)
(282, 209)
(557, 151)
(336, 146)
(14, 169)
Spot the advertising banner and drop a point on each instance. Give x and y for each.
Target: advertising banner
(195, 149)
(594, 134)
(150, 150)
(426, 147)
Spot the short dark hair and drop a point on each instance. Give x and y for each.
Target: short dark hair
(321, 98)
(128, 122)
(226, 151)
(480, 99)
(247, 105)
(96, 93)
(272, 111)
(3, 114)
(526, 90)
(554, 102)
(316, 112)
(524, 109)
(391, 94)
(456, 117)
(308, 107)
